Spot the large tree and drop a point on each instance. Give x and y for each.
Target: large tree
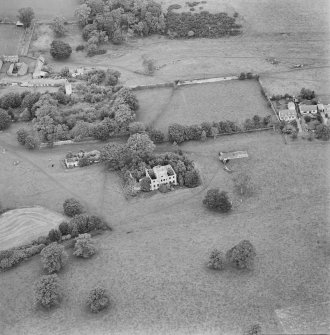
(176, 133)
(72, 207)
(26, 15)
(114, 155)
(82, 13)
(47, 291)
(241, 255)
(53, 257)
(5, 120)
(97, 299)
(140, 145)
(322, 132)
(58, 26)
(60, 49)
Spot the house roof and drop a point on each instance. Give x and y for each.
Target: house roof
(287, 113)
(307, 108)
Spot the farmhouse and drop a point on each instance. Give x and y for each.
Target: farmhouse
(287, 115)
(308, 109)
(71, 162)
(161, 175)
(37, 70)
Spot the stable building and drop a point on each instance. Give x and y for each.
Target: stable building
(161, 175)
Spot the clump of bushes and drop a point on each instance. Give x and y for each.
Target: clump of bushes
(84, 246)
(60, 49)
(322, 132)
(241, 255)
(72, 207)
(216, 260)
(247, 75)
(47, 291)
(217, 200)
(203, 24)
(98, 300)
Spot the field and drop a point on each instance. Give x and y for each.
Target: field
(234, 100)
(44, 9)
(153, 264)
(10, 36)
(22, 225)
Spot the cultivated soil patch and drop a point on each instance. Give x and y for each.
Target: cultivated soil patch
(21, 225)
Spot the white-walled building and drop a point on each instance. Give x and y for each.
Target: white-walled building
(161, 175)
(287, 115)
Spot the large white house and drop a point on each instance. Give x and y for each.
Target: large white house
(287, 115)
(161, 175)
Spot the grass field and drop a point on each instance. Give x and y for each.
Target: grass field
(22, 225)
(153, 263)
(10, 36)
(233, 100)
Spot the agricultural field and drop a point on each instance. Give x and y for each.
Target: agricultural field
(154, 262)
(234, 100)
(22, 225)
(44, 10)
(10, 36)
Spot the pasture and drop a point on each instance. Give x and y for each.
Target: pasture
(20, 226)
(234, 100)
(10, 36)
(154, 262)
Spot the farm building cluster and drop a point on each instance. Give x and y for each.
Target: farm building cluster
(82, 158)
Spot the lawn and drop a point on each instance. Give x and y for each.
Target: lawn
(231, 100)
(10, 35)
(153, 263)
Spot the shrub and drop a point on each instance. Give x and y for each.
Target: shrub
(84, 246)
(149, 66)
(5, 120)
(191, 179)
(217, 200)
(55, 235)
(97, 299)
(253, 330)
(58, 26)
(307, 118)
(21, 135)
(64, 228)
(11, 100)
(156, 135)
(84, 161)
(53, 257)
(47, 291)
(112, 77)
(216, 260)
(31, 142)
(322, 132)
(60, 49)
(94, 223)
(80, 47)
(65, 72)
(241, 255)
(145, 184)
(307, 94)
(72, 207)
(81, 222)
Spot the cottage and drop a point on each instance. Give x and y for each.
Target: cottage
(161, 175)
(287, 115)
(308, 109)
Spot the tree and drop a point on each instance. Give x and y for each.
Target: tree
(64, 228)
(11, 100)
(5, 120)
(60, 49)
(72, 207)
(114, 155)
(101, 131)
(191, 178)
(322, 132)
(112, 77)
(55, 235)
(149, 66)
(216, 260)
(81, 222)
(140, 145)
(176, 133)
(47, 291)
(65, 72)
(21, 135)
(307, 94)
(243, 185)
(97, 299)
(145, 184)
(241, 255)
(84, 246)
(53, 257)
(127, 95)
(26, 15)
(82, 13)
(156, 135)
(217, 200)
(58, 26)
